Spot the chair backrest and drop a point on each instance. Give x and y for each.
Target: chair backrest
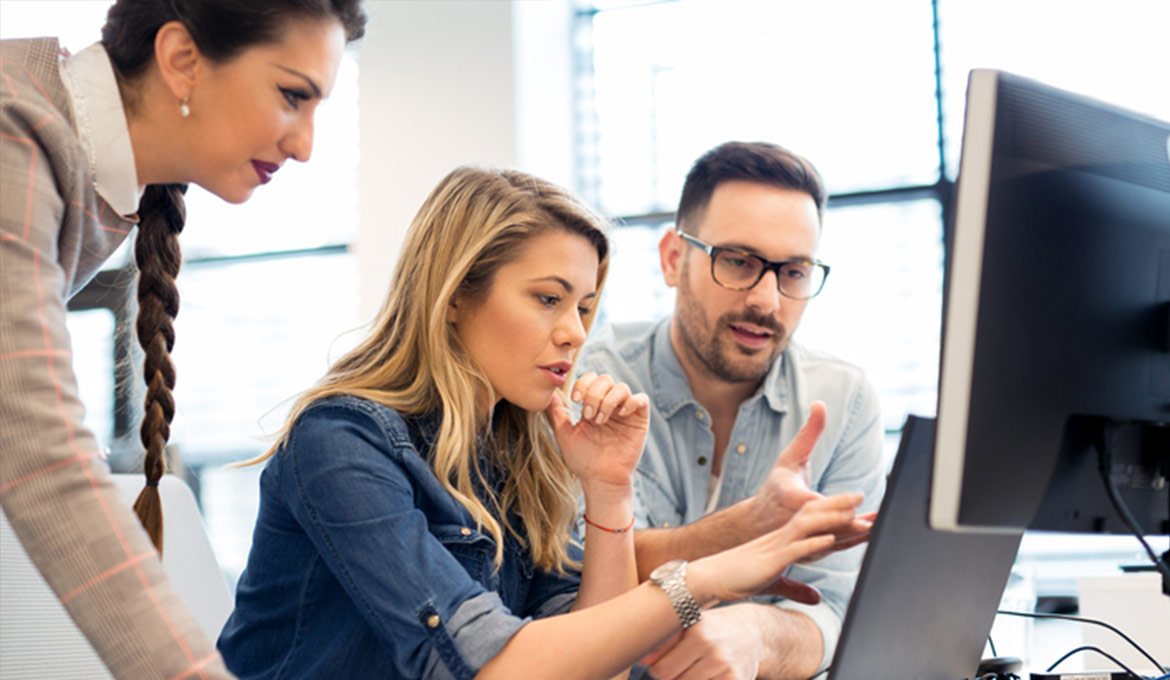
(37, 637)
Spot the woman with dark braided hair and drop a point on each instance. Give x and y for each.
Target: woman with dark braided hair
(94, 145)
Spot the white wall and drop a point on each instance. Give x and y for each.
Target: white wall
(541, 37)
(436, 91)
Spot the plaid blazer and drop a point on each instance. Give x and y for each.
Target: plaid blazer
(55, 232)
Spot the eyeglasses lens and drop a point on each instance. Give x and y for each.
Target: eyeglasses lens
(741, 271)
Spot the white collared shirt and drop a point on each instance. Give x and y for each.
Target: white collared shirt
(102, 127)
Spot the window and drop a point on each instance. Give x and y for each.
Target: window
(673, 79)
(873, 93)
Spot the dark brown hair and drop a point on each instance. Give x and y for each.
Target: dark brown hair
(760, 162)
(222, 29)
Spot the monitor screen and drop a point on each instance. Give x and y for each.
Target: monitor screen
(1056, 333)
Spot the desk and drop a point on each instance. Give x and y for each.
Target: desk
(1133, 602)
(1046, 640)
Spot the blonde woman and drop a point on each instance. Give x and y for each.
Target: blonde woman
(416, 514)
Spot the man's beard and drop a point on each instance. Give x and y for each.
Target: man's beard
(707, 343)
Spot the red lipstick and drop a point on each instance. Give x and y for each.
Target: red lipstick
(264, 170)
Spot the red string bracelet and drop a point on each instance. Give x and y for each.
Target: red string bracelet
(612, 531)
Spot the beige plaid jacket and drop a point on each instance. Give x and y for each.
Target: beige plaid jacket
(55, 232)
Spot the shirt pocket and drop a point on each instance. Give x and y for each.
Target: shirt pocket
(473, 550)
(658, 501)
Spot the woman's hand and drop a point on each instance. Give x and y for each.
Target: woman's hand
(604, 446)
(750, 568)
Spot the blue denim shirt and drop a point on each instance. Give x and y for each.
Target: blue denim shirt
(363, 566)
(674, 472)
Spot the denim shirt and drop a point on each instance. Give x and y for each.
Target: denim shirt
(364, 566)
(674, 472)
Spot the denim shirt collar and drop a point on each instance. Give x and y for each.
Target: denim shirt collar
(672, 391)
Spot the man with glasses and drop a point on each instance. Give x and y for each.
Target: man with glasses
(748, 425)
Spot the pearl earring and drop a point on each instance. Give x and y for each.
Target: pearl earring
(184, 109)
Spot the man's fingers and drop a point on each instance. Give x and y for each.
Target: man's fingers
(795, 455)
(793, 590)
(679, 660)
(855, 527)
(847, 543)
(861, 524)
(838, 545)
(661, 650)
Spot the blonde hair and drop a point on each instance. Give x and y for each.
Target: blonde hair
(475, 221)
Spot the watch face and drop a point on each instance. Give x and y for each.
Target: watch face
(667, 569)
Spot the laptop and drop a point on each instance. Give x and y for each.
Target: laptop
(924, 600)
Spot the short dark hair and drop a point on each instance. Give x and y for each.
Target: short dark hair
(761, 162)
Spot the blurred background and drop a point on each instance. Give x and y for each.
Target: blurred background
(614, 99)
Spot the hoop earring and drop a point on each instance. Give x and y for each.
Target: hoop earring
(184, 109)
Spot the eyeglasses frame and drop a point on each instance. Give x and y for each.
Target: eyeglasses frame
(769, 265)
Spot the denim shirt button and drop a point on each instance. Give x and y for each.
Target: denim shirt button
(433, 621)
(465, 531)
(742, 448)
(700, 415)
(702, 460)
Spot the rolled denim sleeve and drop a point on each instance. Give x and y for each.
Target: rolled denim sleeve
(855, 466)
(462, 644)
(351, 485)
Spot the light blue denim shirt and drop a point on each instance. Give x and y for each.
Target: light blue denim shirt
(364, 566)
(674, 473)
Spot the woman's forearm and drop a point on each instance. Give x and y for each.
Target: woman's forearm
(600, 641)
(609, 568)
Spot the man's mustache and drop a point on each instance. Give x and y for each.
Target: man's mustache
(760, 320)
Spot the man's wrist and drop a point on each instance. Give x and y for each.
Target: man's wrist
(792, 641)
(751, 514)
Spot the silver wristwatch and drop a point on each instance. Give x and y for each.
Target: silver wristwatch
(672, 578)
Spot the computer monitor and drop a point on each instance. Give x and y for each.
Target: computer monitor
(1056, 333)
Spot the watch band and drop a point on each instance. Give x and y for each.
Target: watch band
(674, 584)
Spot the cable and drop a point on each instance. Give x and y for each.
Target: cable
(992, 644)
(1082, 619)
(1105, 465)
(1090, 648)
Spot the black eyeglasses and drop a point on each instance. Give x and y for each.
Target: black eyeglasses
(738, 270)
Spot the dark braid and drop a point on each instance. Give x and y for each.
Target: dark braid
(222, 29)
(156, 251)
